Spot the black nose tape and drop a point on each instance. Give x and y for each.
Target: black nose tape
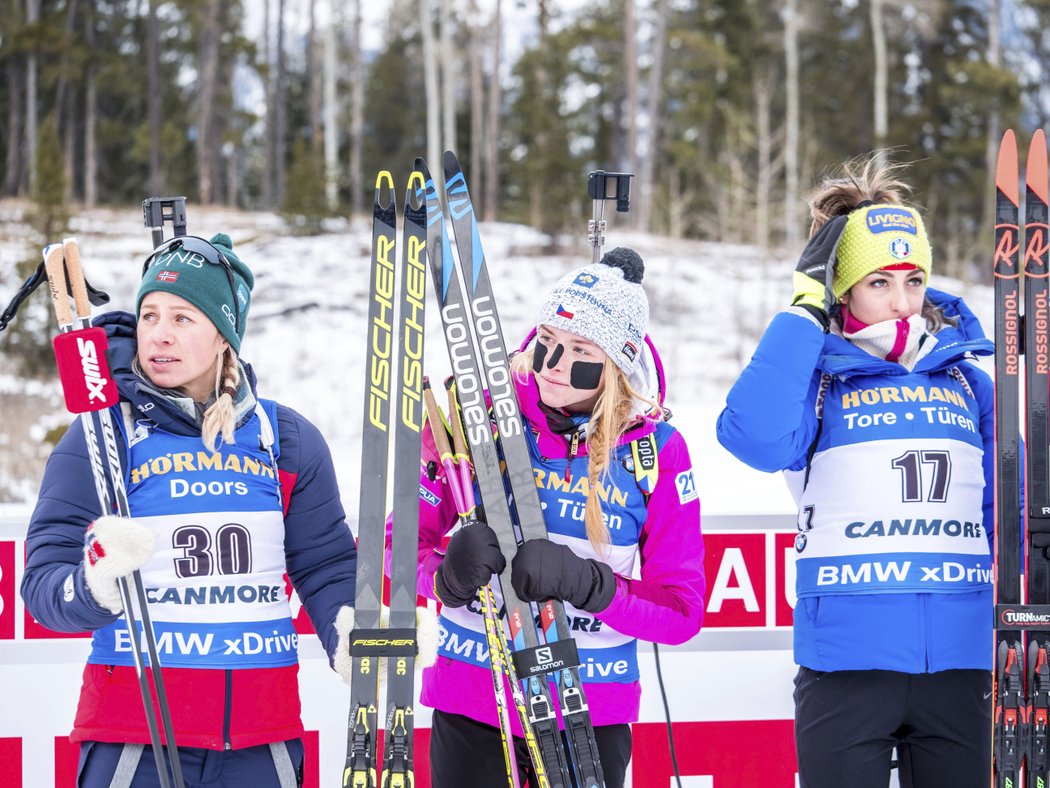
(556, 356)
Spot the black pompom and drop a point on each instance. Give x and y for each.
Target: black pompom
(627, 260)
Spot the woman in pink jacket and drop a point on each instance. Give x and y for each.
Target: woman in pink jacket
(624, 552)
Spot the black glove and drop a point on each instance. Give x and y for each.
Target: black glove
(816, 271)
(471, 559)
(544, 570)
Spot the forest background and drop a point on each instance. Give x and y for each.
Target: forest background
(727, 111)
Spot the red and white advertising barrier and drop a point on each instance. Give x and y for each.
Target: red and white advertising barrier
(729, 689)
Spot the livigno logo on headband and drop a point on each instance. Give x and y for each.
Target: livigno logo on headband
(887, 220)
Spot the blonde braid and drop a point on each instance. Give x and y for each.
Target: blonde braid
(219, 417)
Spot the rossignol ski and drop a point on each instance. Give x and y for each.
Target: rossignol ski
(370, 643)
(556, 656)
(1022, 673)
(1037, 490)
(90, 392)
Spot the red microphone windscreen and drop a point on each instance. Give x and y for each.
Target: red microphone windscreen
(84, 370)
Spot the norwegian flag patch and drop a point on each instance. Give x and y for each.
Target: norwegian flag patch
(168, 276)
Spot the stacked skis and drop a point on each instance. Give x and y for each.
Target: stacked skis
(402, 381)
(1022, 674)
(546, 653)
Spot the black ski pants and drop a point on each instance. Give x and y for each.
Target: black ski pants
(848, 722)
(465, 753)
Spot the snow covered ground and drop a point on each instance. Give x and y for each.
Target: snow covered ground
(709, 304)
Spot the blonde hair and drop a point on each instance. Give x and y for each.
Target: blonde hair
(219, 417)
(612, 415)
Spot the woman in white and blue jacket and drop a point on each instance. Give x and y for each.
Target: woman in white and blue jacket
(229, 495)
(864, 393)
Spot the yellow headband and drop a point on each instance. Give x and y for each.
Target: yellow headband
(878, 236)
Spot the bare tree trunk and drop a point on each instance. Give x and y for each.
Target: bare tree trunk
(536, 182)
(90, 112)
(654, 99)
(281, 130)
(207, 139)
(270, 142)
(13, 164)
(492, 139)
(448, 80)
(430, 69)
(477, 99)
(994, 123)
(332, 34)
(69, 151)
(32, 17)
(881, 76)
(357, 114)
(313, 87)
(629, 158)
(153, 99)
(63, 79)
(791, 124)
(763, 93)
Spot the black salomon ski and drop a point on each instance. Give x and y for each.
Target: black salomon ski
(455, 319)
(397, 643)
(1010, 730)
(575, 713)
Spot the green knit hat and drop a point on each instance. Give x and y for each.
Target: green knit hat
(208, 275)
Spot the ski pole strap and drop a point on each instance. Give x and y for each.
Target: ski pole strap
(538, 660)
(383, 642)
(37, 278)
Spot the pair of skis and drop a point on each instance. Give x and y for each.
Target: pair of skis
(480, 364)
(90, 392)
(394, 372)
(1022, 674)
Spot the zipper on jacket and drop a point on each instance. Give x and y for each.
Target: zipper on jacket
(574, 446)
(227, 712)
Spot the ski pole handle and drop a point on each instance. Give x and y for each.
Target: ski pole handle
(459, 440)
(437, 423)
(55, 266)
(76, 278)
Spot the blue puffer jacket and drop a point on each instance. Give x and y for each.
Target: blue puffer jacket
(894, 481)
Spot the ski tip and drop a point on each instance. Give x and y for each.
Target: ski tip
(420, 164)
(1006, 175)
(415, 180)
(384, 179)
(1036, 172)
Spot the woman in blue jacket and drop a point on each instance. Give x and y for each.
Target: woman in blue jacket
(228, 494)
(864, 393)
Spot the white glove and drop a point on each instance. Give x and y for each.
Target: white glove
(426, 641)
(344, 625)
(114, 547)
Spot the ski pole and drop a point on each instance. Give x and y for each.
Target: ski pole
(437, 429)
(81, 346)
